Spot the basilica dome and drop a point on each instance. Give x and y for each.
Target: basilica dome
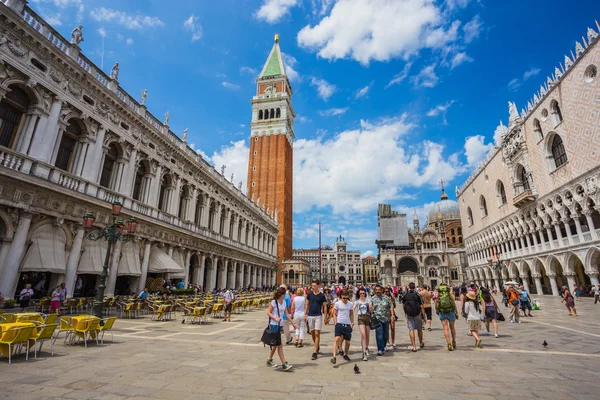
(448, 209)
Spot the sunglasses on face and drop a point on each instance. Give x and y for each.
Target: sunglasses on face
(345, 298)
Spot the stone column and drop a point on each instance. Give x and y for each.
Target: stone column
(233, 279)
(593, 277)
(226, 224)
(129, 175)
(549, 233)
(28, 129)
(538, 283)
(557, 231)
(43, 143)
(526, 284)
(10, 271)
(568, 229)
(111, 282)
(213, 274)
(217, 219)
(191, 208)
(234, 227)
(224, 273)
(145, 263)
(175, 197)
(571, 280)
(188, 257)
(590, 221)
(552, 278)
(91, 168)
(205, 210)
(73, 261)
(154, 192)
(578, 228)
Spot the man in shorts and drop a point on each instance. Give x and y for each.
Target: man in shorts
(316, 307)
(415, 313)
(525, 301)
(343, 319)
(228, 297)
(426, 296)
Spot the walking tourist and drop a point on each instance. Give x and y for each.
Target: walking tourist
(382, 306)
(415, 313)
(426, 296)
(25, 296)
(364, 309)
(445, 308)
(228, 298)
(490, 311)
(55, 300)
(298, 305)
(143, 294)
(569, 301)
(596, 293)
(286, 323)
(463, 300)
(513, 296)
(472, 309)
(63, 291)
(393, 317)
(526, 304)
(577, 291)
(276, 309)
(315, 309)
(343, 319)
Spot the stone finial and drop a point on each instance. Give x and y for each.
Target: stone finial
(77, 35)
(568, 62)
(513, 115)
(591, 35)
(578, 49)
(557, 73)
(536, 99)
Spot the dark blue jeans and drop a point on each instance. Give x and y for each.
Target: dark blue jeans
(382, 334)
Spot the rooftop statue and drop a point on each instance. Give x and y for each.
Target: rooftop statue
(77, 35)
(114, 72)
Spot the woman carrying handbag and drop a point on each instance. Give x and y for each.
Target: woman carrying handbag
(272, 334)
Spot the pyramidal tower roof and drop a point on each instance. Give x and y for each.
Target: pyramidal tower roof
(274, 65)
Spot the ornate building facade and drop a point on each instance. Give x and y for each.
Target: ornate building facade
(530, 212)
(434, 254)
(270, 166)
(296, 272)
(370, 270)
(72, 141)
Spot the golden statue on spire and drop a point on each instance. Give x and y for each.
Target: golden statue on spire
(276, 37)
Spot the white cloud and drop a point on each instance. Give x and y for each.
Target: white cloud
(129, 41)
(193, 26)
(476, 149)
(460, 58)
(324, 88)
(363, 92)
(290, 63)
(501, 129)
(398, 78)
(457, 3)
(368, 253)
(230, 85)
(366, 30)
(272, 11)
(55, 16)
(338, 172)
(515, 83)
(426, 78)
(235, 157)
(332, 112)
(138, 21)
(102, 32)
(320, 7)
(472, 29)
(440, 109)
(249, 71)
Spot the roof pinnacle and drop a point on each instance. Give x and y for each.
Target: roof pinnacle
(276, 37)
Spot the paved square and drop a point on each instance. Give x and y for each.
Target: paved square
(168, 360)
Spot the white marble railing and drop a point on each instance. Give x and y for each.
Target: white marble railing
(587, 236)
(565, 241)
(67, 180)
(101, 78)
(84, 64)
(142, 209)
(108, 196)
(32, 21)
(576, 239)
(11, 160)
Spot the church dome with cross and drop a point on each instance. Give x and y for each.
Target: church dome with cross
(444, 210)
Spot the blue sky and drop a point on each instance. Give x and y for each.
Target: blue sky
(390, 95)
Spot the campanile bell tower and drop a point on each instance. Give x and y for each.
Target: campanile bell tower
(270, 165)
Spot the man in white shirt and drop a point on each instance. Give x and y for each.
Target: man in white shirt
(228, 297)
(343, 318)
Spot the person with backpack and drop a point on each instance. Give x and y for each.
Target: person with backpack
(445, 308)
(473, 310)
(513, 300)
(490, 311)
(415, 313)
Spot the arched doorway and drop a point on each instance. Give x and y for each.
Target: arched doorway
(575, 265)
(408, 264)
(342, 280)
(291, 277)
(193, 272)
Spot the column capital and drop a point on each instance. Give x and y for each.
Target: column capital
(591, 273)
(569, 273)
(536, 276)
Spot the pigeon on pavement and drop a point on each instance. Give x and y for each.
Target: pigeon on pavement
(545, 344)
(356, 370)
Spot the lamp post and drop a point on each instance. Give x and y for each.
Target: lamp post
(498, 265)
(112, 234)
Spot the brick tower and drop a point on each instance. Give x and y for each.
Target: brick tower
(270, 165)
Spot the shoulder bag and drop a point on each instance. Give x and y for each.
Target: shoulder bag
(270, 337)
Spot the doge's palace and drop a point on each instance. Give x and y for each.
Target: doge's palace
(72, 140)
(530, 212)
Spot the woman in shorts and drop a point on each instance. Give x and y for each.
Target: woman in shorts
(569, 301)
(276, 310)
(490, 310)
(298, 304)
(364, 310)
(473, 311)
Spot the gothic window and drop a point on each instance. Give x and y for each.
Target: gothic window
(272, 113)
(278, 113)
(260, 114)
(138, 184)
(267, 114)
(453, 239)
(199, 207)
(460, 240)
(524, 178)
(454, 275)
(556, 114)
(452, 231)
(165, 193)
(483, 206)
(68, 142)
(537, 128)
(558, 151)
(432, 273)
(469, 216)
(184, 199)
(108, 168)
(460, 230)
(12, 109)
(501, 193)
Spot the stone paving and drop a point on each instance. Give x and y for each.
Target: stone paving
(169, 360)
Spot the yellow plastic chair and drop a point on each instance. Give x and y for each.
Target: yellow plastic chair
(50, 319)
(66, 325)
(46, 332)
(89, 328)
(16, 337)
(8, 318)
(107, 327)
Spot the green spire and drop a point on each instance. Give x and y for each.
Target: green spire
(274, 65)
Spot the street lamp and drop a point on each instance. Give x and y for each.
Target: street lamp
(112, 234)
